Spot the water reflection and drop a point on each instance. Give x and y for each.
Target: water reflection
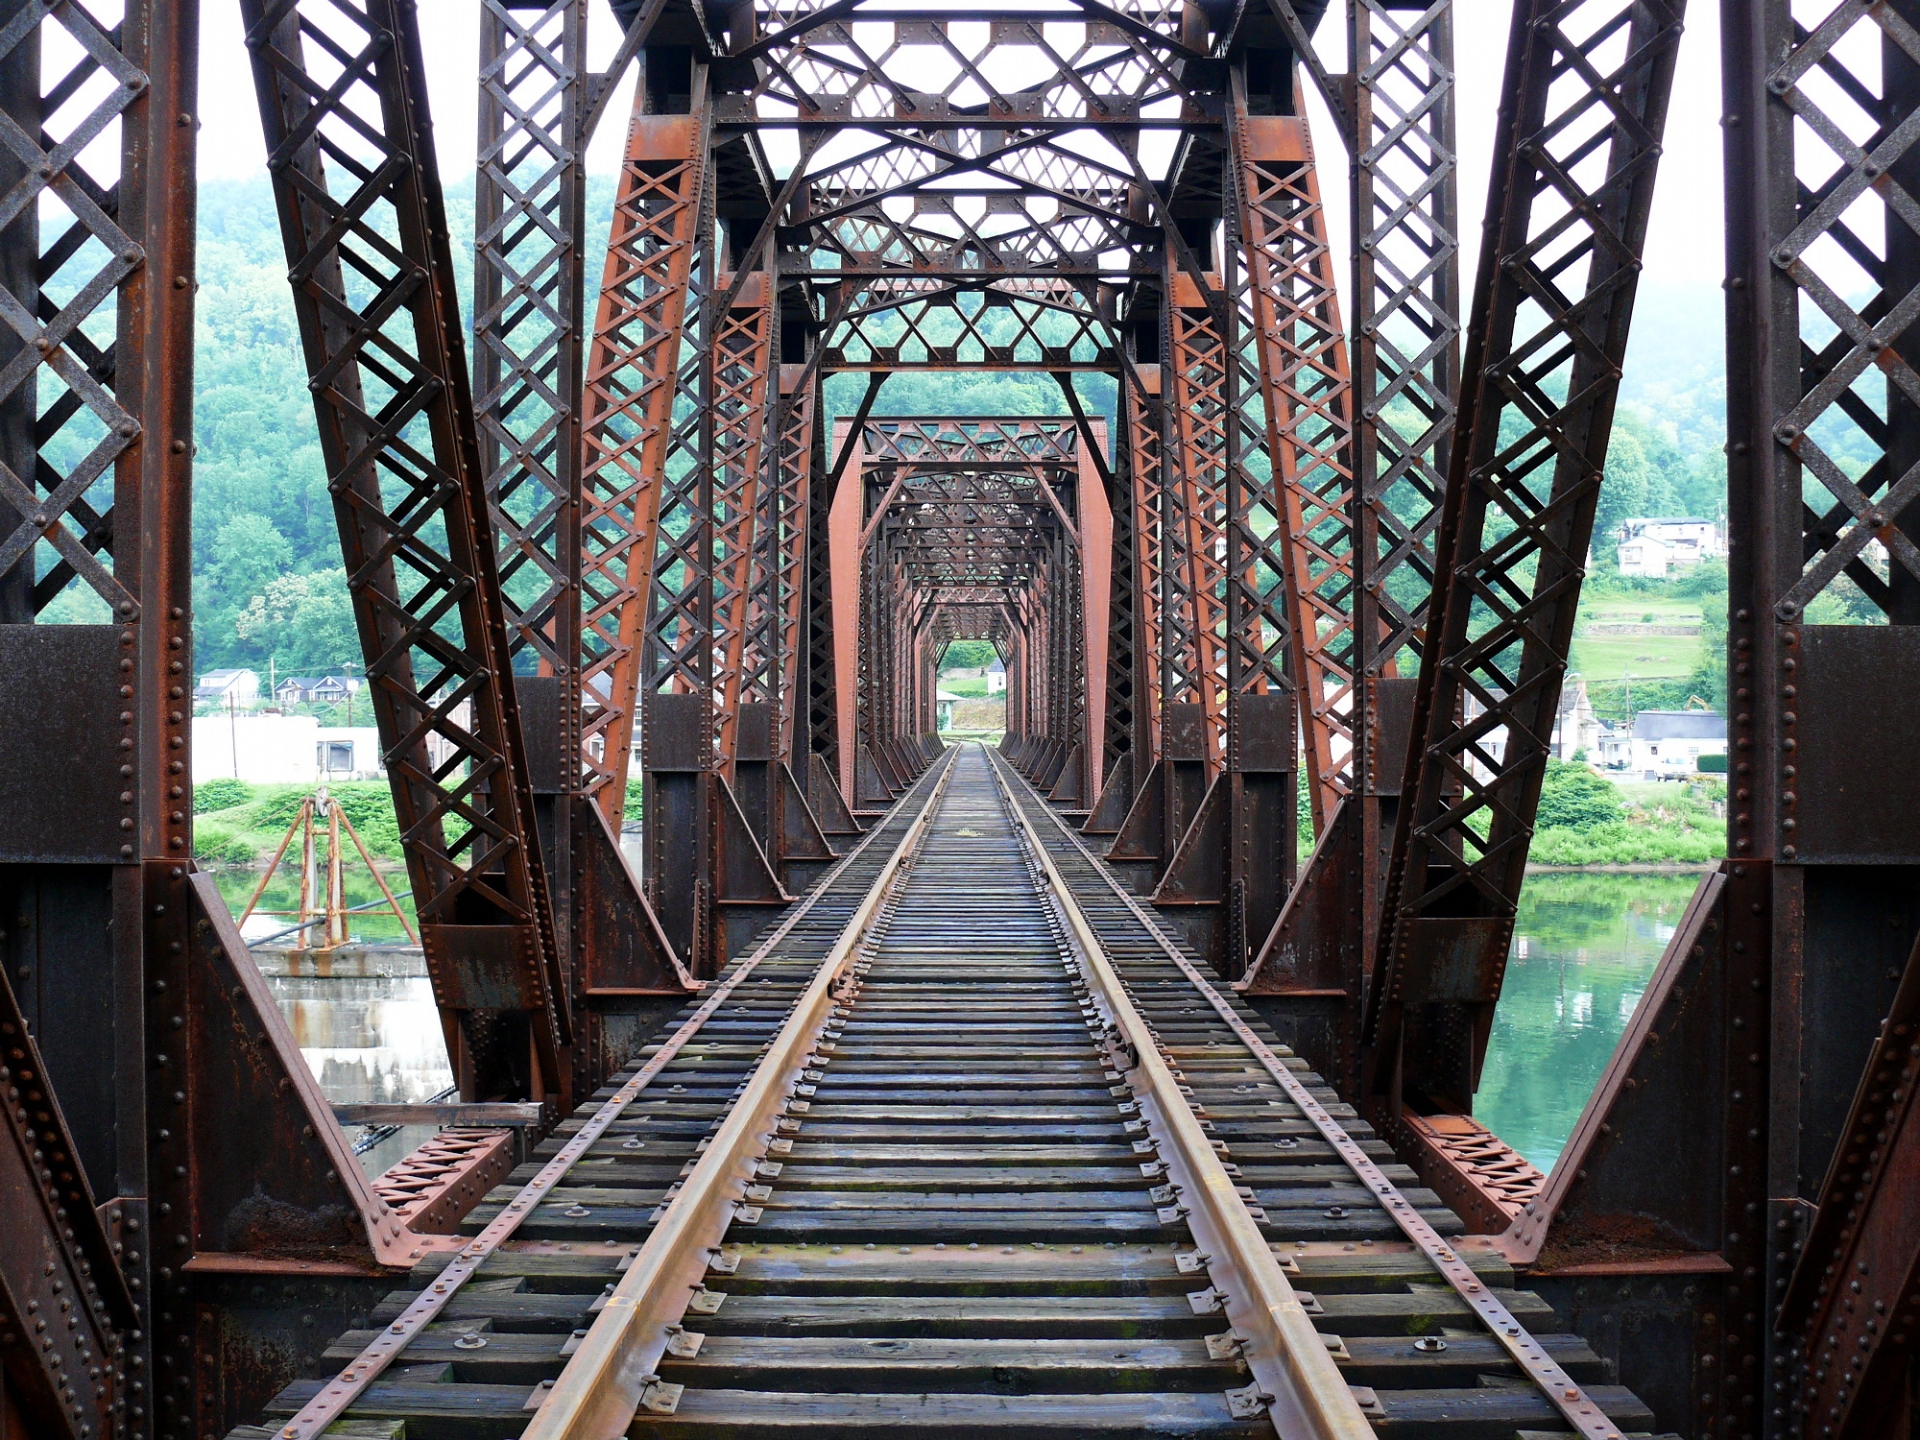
(1583, 950)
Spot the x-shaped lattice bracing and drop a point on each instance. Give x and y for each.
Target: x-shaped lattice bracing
(522, 331)
(52, 334)
(1867, 338)
(1550, 331)
(367, 256)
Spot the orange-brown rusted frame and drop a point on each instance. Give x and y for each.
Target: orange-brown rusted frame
(742, 359)
(637, 332)
(1143, 456)
(1309, 407)
(1200, 419)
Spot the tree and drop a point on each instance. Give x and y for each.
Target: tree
(305, 622)
(1574, 798)
(1634, 485)
(248, 554)
(968, 654)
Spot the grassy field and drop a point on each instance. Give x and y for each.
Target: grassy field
(1642, 654)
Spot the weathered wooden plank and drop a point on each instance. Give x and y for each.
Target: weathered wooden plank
(727, 1414)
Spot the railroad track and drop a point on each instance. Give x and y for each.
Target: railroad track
(967, 1147)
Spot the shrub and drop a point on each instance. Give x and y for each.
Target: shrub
(217, 845)
(221, 794)
(1619, 843)
(1574, 798)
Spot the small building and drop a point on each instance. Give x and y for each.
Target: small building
(944, 702)
(1575, 727)
(1613, 749)
(1653, 547)
(1668, 744)
(343, 752)
(283, 750)
(996, 676)
(313, 690)
(237, 689)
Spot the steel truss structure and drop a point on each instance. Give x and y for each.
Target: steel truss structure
(1268, 561)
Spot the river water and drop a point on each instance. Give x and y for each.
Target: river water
(1584, 947)
(1583, 950)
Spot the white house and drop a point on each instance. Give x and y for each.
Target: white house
(237, 689)
(1614, 749)
(283, 750)
(943, 705)
(315, 689)
(996, 677)
(1575, 727)
(1652, 547)
(1668, 744)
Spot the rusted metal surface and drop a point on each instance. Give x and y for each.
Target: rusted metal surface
(414, 519)
(337, 1397)
(434, 1187)
(632, 374)
(1576, 1408)
(1848, 1318)
(1483, 1179)
(1820, 360)
(1504, 607)
(66, 1314)
(271, 1176)
(1604, 1202)
(1309, 413)
(1303, 1389)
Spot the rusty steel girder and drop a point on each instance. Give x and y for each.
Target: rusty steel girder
(631, 375)
(974, 528)
(358, 190)
(1303, 376)
(529, 390)
(57, 1259)
(1397, 117)
(1551, 311)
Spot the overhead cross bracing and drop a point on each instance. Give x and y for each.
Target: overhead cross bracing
(1295, 544)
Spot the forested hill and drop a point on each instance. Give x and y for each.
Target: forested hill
(267, 576)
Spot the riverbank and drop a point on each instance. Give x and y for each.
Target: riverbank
(1702, 867)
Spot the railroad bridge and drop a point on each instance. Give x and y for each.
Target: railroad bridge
(1045, 1089)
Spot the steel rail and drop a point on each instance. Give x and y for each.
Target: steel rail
(333, 1399)
(1296, 1381)
(612, 1375)
(1565, 1394)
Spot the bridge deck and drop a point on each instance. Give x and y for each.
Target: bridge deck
(962, 1225)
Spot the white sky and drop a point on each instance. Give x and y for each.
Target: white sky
(1684, 245)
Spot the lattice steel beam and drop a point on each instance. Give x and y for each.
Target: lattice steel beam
(630, 384)
(1566, 220)
(1303, 375)
(343, 102)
